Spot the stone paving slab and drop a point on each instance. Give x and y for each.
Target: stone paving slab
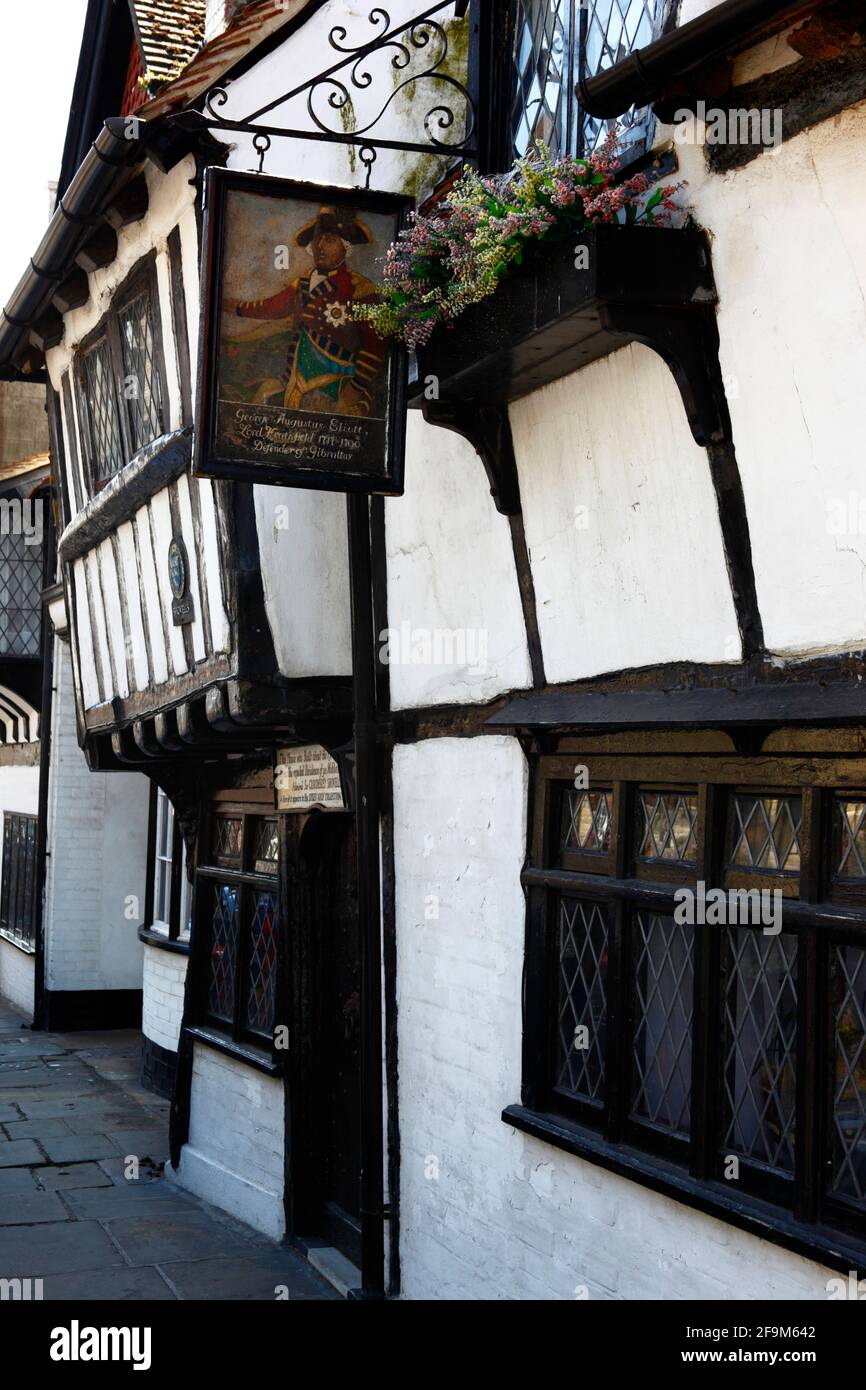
(111, 1285)
(253, 1278)
(164, 1237)
(16, 1180)
(9, 1113)
(72, 1176)
(68, 1247)
(29, 1208)
(17, 1153)
(117, 1203)
(150, 1143)
(34, 1129)
(78, 1148)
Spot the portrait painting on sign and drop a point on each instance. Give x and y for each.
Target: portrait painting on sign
(295, 381)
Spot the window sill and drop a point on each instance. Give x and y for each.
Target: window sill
(22, 946)
(165, 943)
(827, 1247)
(242, 1052)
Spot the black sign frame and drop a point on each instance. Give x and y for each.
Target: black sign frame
(211, 457)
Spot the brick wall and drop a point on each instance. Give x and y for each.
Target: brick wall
(162, 1003)
(487, 1212)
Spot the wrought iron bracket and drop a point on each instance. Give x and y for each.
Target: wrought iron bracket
(329, 103)
(488, 430)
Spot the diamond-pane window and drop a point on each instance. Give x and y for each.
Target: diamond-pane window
(582, 1022)
(586, 822)
(141, 388)
(266, 848)
(226, 837)
(20, 584)
(105, 442)
(848, 974)
(766, 833)
(851, 859)
(262, 963)
(667, 826)
(555, 43)
(760, 1046)
(18, 881)
(662, 1051)
(224, 951)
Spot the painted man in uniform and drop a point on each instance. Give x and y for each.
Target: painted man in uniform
(332, 359)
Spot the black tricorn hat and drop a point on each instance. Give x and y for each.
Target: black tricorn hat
(339, 220)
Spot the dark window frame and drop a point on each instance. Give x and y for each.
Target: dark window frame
(142, 279)
(240, 875)
(805, 1208)
(19, 882)
(493, 68)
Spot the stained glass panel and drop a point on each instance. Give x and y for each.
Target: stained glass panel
(262, 963)
(224, 950)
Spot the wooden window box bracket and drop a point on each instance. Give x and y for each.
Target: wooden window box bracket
(652, 285)
(551, 316)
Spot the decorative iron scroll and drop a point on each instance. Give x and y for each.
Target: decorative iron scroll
(329, 95)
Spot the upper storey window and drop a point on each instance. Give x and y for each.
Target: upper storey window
(556, 42)
(120, 378)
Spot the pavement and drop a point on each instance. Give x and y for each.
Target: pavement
(84, 1204)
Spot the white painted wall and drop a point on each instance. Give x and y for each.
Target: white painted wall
(789, 256)
(97, 830)
(305, 574)
(163, 984)
(621, 522)
(235, 1153)
(451, 579)
(510, 1217)
(17, 977)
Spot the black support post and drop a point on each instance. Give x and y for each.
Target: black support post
(369, 905)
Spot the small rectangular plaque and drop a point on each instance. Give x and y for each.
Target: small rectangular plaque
(308, 779)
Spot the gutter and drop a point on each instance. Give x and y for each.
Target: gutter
(77, 214)
(651, 72)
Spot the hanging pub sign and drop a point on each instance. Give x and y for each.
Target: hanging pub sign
(295, 386)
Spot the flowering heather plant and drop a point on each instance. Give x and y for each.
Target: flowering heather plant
(457, 255)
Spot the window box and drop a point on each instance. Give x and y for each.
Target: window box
(548, 317)
(561, 310)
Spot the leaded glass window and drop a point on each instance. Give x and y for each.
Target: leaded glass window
(695, 982)
(171, 887)
(141, 388)
(554, 44)
(99, 394)
(761, 1032)
(583, 996)
(20, 580)
(663, 1001)
(238, 916)
(120, 376)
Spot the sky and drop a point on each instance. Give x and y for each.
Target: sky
(39, 40)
